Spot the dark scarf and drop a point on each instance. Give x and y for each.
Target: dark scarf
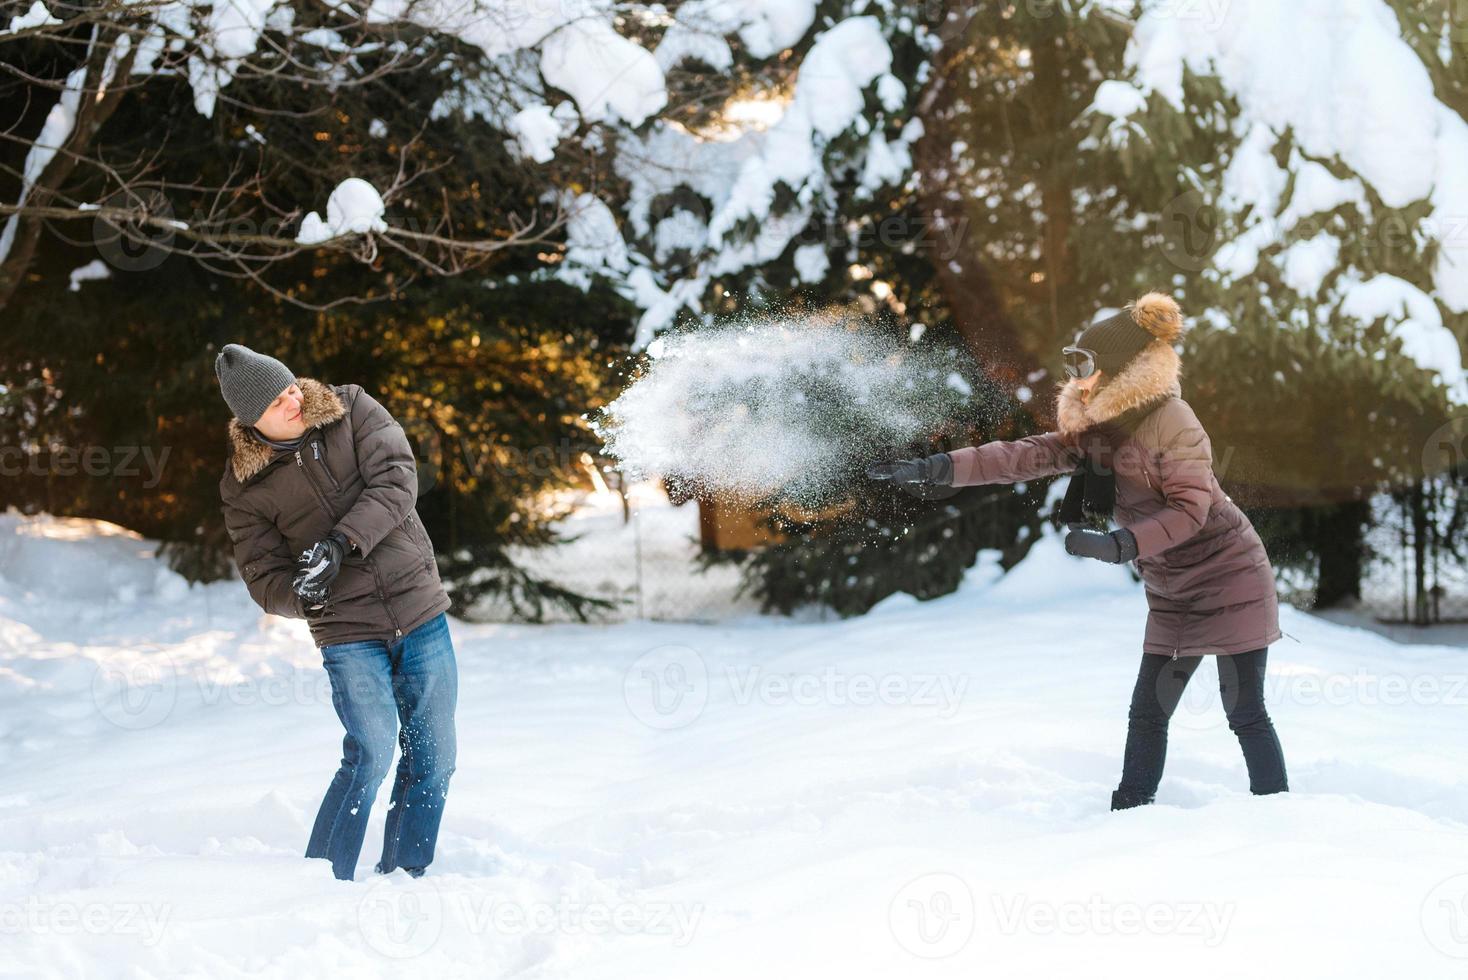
(292, 444)
(1091, 496)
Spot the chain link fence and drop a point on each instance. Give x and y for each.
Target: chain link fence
(639, 551)
(1417, 573)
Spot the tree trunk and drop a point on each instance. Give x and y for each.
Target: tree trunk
(990, 335)
(1340, 543)
(1421, 524)
(91, 113)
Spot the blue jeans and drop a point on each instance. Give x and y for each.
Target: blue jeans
(374, 686)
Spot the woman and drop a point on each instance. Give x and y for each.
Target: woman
(1139, 455)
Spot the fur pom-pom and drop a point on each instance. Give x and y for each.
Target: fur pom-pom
(1159, 315)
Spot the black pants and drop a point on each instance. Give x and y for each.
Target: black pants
(1160, 684)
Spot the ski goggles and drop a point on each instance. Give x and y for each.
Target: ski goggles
(1079, 362)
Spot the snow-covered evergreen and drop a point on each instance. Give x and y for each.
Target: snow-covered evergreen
(1347, 177)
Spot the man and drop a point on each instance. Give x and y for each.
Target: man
(319, 496)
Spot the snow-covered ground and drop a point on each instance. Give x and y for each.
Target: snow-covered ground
(918, 792)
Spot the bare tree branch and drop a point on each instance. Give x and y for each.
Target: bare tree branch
(235, 228)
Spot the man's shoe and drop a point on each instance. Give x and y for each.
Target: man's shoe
(415, 872)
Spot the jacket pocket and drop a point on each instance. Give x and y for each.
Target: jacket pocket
(399, 558)
(419, 535)
(354, 581)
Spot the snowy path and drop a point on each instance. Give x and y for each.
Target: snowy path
(920, 792)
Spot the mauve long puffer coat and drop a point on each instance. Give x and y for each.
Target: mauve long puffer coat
(1209, 585)
(354, 472)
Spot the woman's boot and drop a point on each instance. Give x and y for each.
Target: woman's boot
(1126, 799)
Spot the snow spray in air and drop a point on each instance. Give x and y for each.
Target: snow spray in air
(781, 409)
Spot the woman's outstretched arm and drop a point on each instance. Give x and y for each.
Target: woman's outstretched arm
(1029, 458)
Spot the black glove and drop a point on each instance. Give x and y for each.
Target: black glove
(318, 567)
(1118, 547)
(932, 469)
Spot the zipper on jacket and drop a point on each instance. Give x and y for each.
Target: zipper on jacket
(320, 497)
(381, 592)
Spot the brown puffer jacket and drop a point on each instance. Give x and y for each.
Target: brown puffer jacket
(1209, 585)
(354, 472)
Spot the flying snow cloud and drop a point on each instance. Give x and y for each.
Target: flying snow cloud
(789, 409)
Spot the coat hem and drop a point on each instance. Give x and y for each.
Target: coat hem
(1273, 637)
(441, 606)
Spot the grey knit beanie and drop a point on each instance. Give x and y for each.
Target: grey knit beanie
(250, 381)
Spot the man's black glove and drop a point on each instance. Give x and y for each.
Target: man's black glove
(1118, 547)
(932, 469)
(318, 567)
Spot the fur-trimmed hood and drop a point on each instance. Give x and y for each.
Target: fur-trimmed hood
(1155, 371)
(248, 455)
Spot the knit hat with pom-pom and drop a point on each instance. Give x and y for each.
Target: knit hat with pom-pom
(1117, 339)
